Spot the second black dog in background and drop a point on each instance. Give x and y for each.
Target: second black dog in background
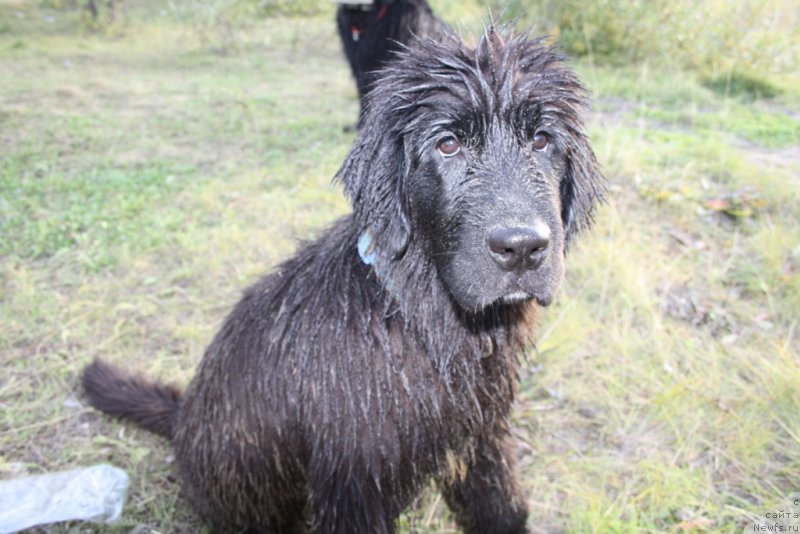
(372, 32)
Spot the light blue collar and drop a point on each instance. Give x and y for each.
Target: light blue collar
(365, 250)
(369, 255)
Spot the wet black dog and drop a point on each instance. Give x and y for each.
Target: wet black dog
(371, 33)
(384, 354)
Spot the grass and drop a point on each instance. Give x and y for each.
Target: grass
(150, 171)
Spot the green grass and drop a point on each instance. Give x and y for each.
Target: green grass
(735, 43)
(742, 85)
(765, 128)
(150, 170)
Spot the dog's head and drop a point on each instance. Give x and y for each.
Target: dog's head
(479, 159)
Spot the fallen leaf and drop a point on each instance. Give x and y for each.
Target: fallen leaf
(717, 204)
(692, 525)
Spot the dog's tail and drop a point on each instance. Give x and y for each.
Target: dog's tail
(150, 405)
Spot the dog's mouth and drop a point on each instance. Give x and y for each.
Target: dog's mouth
(521, 297)
(516, 297)
(511, 297)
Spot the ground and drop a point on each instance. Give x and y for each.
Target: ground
(151, 170)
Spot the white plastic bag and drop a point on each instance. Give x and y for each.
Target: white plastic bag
(94, 493)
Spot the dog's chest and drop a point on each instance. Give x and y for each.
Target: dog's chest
(441, 415)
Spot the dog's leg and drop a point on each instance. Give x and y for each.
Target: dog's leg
(346, 500)
(298, 527)
(487, 499)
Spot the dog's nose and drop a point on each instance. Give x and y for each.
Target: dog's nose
(519, 247)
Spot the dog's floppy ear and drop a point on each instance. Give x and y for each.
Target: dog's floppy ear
(582, 187)
(374, 176)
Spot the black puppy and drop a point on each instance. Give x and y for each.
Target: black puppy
(372, 32)
(384, 353)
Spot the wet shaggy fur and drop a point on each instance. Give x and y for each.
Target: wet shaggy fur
(384, 353)
(371, 36)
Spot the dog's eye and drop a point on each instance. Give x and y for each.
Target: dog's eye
(449, 147)
(540, 141)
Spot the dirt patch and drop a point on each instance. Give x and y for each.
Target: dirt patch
(686, 303)
(777, 158)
